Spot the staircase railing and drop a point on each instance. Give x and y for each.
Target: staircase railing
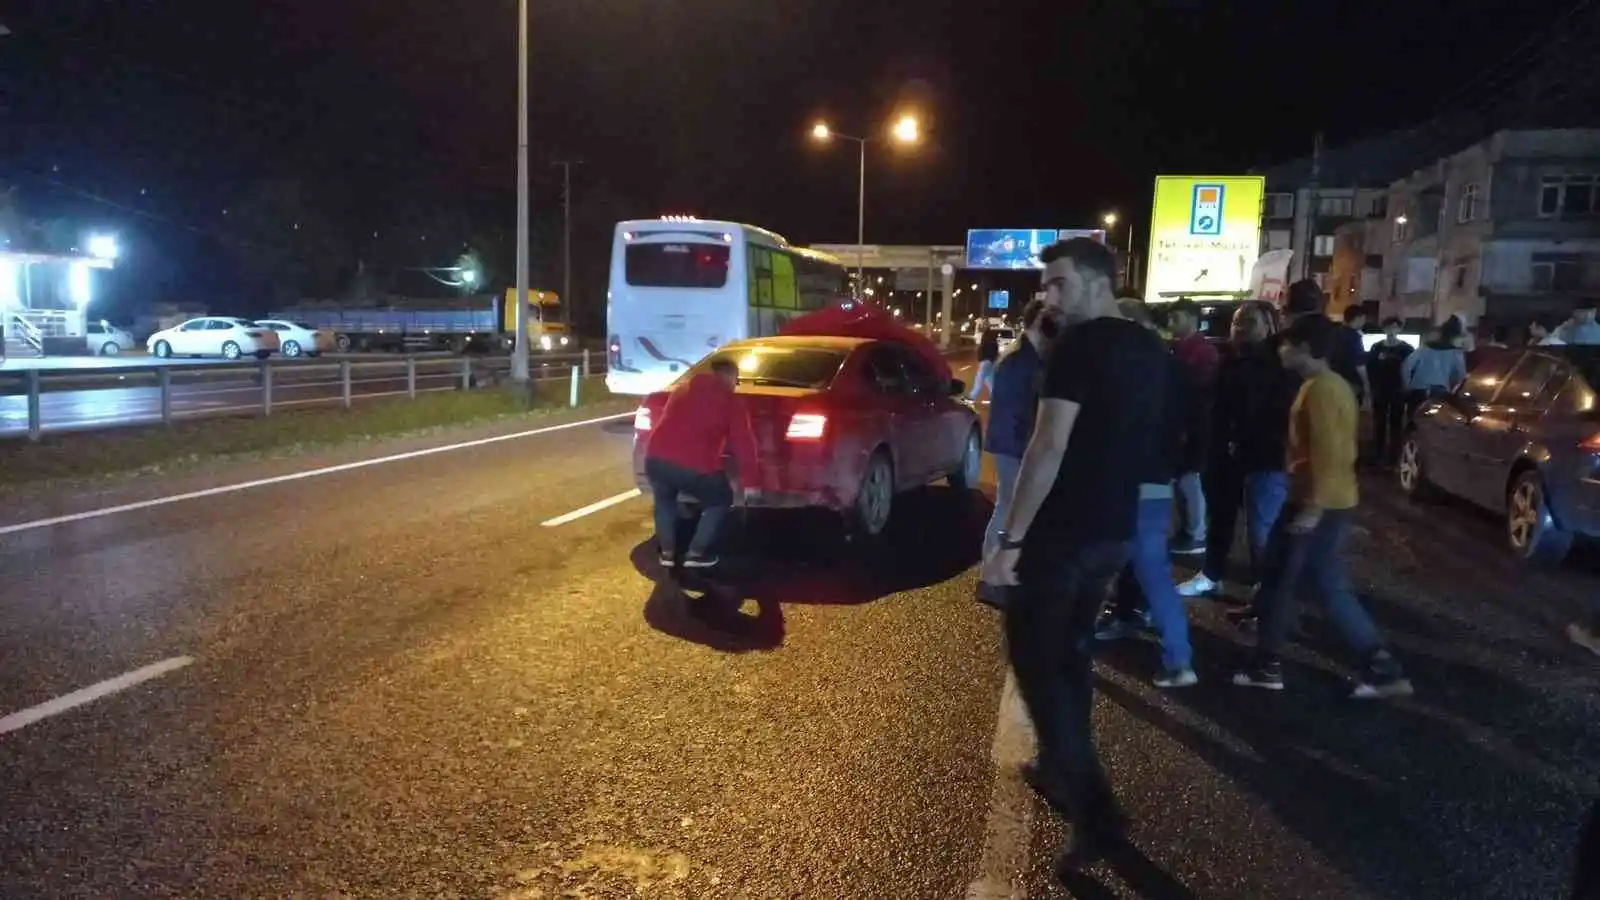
(27, 332)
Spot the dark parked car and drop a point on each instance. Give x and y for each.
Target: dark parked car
(1520, 437)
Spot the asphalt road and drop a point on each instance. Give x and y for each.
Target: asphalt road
(90, 399)
(404, 685)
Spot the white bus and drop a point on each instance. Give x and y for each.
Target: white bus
(682, 287)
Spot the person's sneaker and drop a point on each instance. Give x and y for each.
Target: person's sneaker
(1265, 675)
(1187, 547)
(1199, 586)
(700, 561)
(1382, 678)
(1584, 637)
(1117, 628)
(667, 558)
(1176, 678)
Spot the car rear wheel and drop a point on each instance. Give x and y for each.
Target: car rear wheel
(163, 350)
(230, 350)
(110, 348)
(875, 500)
(343, 343)
(1413, 476)
(291, 349)
(1531, 531)
(966, 477)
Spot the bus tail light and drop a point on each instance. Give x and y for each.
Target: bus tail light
(1591, 443)
(614, 351)
(807, 427)
(641, 419)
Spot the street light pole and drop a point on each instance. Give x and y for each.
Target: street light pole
(519, 351)
(861, 217)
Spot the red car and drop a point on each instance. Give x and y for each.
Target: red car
(844, 423)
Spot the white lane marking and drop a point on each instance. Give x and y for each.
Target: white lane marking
(299, 476)
(91, 693)
(1008, 831)
(594, 507)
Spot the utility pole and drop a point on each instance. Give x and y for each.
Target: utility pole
(1310, 242)
(566, 237)
(519, 351)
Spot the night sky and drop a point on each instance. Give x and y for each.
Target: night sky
(377, 122)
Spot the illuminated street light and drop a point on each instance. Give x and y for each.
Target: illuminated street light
(1110, 219)
(1400, 220)
(102, 246)
(904, 131)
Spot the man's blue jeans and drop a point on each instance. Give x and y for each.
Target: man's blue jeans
(1005, 470)
(1312, 563)
(1192, 504)
(1147, 581)
(711, 490)
(1259, 495)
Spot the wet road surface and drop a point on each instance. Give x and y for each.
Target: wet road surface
(404, 685)
(121, 390)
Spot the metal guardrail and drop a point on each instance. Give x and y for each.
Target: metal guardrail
(164, 392)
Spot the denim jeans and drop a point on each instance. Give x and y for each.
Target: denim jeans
(984, 376)
(1260, 495)
(1005, 470)
(1192, 505)
(1049, 623)
(1311, 562)
(1147, 582)
(668, 482)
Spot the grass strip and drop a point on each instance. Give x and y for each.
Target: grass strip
(187, 443)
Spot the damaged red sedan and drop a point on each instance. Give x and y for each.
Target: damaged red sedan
(849, 409)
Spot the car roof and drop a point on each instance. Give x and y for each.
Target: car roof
(825, 341)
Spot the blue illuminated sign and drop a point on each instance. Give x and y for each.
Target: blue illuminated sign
(999, 299)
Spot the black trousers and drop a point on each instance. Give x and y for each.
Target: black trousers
(1049, 632)
(1389, 413)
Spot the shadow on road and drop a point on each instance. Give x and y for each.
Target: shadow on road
(1445, 795)
(772, 559)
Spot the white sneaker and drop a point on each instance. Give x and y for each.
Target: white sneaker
(1199, 586)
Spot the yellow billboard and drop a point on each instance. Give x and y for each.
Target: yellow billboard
(1205, 235)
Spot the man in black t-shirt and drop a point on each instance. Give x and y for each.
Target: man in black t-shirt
(1072, 517)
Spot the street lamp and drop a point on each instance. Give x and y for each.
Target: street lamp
(1110, 220)
(905, 130)
(519, 350)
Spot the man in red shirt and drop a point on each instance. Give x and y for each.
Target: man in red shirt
(684, 458)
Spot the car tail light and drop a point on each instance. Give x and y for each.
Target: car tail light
(1591, 443)
(641, 419)
(807, 427)
(614, 351)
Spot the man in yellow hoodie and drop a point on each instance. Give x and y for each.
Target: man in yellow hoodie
(1306, 550)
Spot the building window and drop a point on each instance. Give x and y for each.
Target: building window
(1322, 245)
(1278, 239)
(1467, 209)
(1372, 206)
(1461, 277)
(1568, 196)
(1335, 207)
(1280, 206)
(1402, 230)
(1558, 276)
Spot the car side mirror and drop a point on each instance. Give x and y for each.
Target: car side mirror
(957, 387)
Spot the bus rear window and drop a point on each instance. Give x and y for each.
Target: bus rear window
(677, 265)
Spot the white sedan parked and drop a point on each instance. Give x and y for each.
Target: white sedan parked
(296, 339)
(214, 336)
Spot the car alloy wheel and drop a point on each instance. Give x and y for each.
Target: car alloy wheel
(1410, 466)
(291, 349)
(110, 348)
(966, 477)
(877, 497)
(230, 350)
(163, 350)
(1526, 516)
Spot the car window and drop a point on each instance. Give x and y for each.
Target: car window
(800, 367)
(275, 326)
(304, 327)
(1576, 398)
(1484, 381)
(919, 374)
(884, 371)
(194, 325)
(1526, 382)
